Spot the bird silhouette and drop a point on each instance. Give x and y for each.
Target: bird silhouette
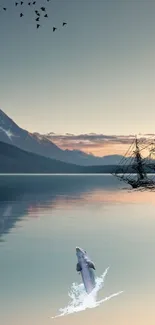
(39, 13)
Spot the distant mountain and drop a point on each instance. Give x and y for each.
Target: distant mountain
(11, 133)
(15, 160)
(82, 158)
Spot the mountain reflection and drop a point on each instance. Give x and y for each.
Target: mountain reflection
(23, 194)
(27, 195)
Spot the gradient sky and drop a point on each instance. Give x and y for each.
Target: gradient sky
(97, 74)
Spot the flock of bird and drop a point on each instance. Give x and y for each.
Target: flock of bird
(38, 13)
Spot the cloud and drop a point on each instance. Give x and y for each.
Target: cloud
(98, 144)
(91, 138)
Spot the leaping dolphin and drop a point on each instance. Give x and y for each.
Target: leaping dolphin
(86, 267)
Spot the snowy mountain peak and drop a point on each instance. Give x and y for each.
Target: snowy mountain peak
(43, 145)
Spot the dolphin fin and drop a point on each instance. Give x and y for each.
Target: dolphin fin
(91, 265)
(78, 267)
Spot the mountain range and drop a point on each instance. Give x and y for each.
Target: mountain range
(25, 152)
(42, 145)
(15, 160)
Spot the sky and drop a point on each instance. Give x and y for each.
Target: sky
(97, 74)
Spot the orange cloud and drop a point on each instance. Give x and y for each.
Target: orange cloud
(96, 144)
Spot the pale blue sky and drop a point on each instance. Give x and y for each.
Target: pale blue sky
(97, 74)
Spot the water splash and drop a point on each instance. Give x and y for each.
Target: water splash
(80, 300)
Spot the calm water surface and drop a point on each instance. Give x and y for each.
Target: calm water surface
(43, 219)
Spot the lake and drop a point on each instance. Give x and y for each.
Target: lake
(42, 220)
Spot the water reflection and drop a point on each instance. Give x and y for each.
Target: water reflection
(46, 217)
(20, 195)
(29, 195)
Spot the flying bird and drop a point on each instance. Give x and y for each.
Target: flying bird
(41, 11)
(37, 13)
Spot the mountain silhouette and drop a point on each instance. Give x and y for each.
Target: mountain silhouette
(42, 145)
(15, 160)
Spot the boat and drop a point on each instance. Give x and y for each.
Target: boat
(137, 167)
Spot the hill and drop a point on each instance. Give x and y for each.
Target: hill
(15, 160)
